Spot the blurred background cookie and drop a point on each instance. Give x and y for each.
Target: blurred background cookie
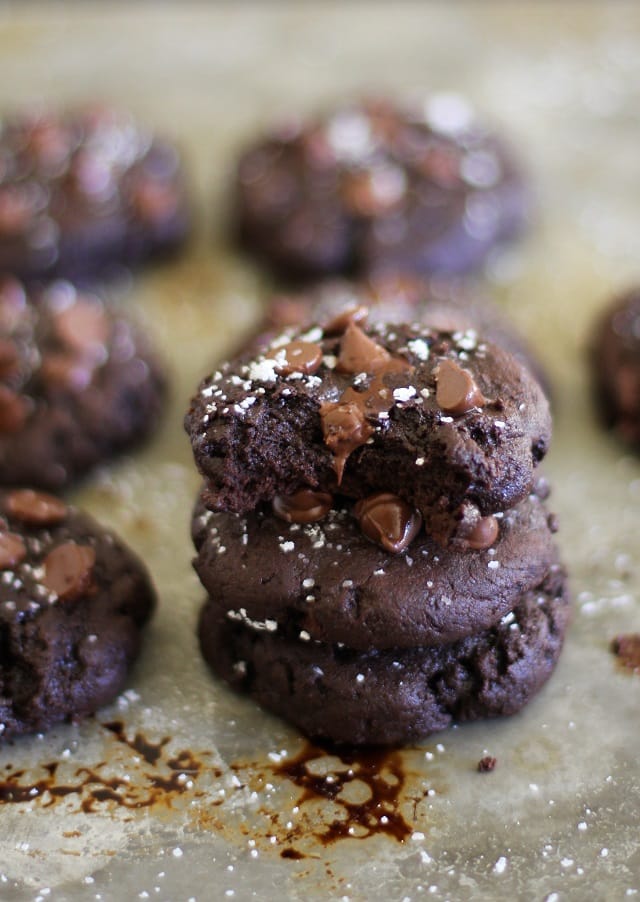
(78, 384)
(85, 191)
(377, 186)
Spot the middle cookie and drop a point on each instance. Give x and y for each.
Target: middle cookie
(326, 581)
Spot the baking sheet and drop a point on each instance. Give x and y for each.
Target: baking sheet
(177, 790)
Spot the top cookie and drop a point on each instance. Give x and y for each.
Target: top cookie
(83, 191)
(451, 425)
(375, 186)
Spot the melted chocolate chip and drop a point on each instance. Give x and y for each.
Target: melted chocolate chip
(388, 521)
(14, 410)
(456, 390)
(35, 508)
(68, 569)
(344, 423)
(12, 550)
(300, 357)
(345, 428)
(304, 506)
(348, 317)
(483, 534)
(359, 353)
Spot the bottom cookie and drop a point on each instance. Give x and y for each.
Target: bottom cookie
(393, 696)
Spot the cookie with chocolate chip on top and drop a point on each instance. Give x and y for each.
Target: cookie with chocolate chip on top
(317, 568)
(380, 186)
(79, 383)
(86, 191)
(394, 695)
(73, 602)
(450, 424)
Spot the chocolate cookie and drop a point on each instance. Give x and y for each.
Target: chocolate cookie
(83, 191)
(78, 383)
(446, 304)
(73, 599)
(328, 581)
(397, 695)
(452, 425)
(615, 364)
(379, 187)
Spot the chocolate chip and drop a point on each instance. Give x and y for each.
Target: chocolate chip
(345, 428)
(68, 569)
(35, 508)
(16, 211)
(373, 192)
(304, 506)
(9, 357)
(483, 534)
(154, 201)
(14, 410)
(12, 550)
(388, 521)
(487, 764)
(83, 327)
(13, 303)
(60, 369)
(456, 390)
(300, 357)
(348, 317)
(359, 353)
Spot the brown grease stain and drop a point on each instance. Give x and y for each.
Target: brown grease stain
(382, 773)
(95, 788)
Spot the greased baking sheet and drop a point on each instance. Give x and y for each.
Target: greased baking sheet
(176, 791)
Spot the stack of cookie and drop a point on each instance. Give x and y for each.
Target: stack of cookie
(373, 540)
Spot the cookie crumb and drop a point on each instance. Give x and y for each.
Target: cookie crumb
(487, 764)
(627, 650)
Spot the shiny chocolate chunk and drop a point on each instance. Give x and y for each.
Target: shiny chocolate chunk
(14, 410)
(12, 549)
(305, 506)
(66, 370)
(484, 534)
(300, 357)
(345, 428)
(154, 201)
(388, 521)
(456, 390)
(35, 508)
(350, 316)
(9, 357)
(82, 327)
(359, 353)
(68, 570)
